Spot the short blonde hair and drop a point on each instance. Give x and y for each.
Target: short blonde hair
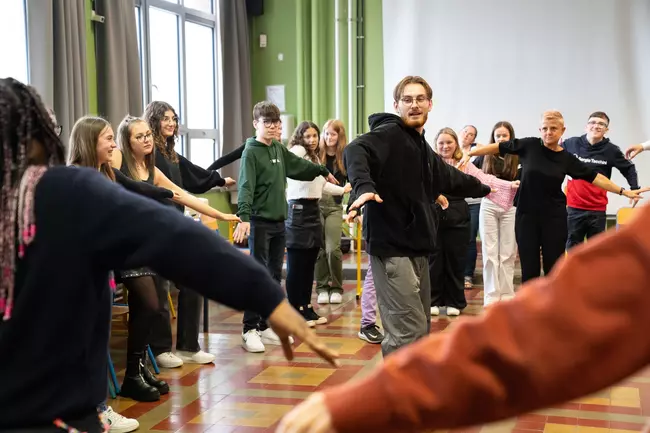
(553, 115)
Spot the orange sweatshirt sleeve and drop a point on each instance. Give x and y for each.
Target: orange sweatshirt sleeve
(581, 329)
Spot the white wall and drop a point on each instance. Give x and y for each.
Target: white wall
(491, 60)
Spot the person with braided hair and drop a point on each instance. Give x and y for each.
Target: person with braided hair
(62, 229)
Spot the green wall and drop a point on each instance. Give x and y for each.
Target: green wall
(305, 29)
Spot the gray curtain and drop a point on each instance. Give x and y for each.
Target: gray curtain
(236, 115)
(119, 86)
(69, 62)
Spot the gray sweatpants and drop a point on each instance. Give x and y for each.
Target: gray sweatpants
(404, 298)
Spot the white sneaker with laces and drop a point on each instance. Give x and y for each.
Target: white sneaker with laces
(323, 298)
(252, 342)
(199, 357)
(270, 337)
(118, 423)
(168, 360)
(336, 298)
(435, 311)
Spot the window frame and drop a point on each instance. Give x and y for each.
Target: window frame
(185, 14)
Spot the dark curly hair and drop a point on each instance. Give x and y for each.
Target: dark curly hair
(29, 144)
(297, 140)
(153, 114)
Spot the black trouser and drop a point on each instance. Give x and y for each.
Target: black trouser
(447, 266)
(187, 323)
(300, 275)
(584, 223)
(535, 232)
(266, 243)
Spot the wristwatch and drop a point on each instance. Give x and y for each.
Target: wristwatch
(621, 191)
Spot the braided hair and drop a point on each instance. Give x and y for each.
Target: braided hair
(28, 146)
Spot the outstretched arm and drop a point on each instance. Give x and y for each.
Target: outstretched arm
(228, 158)
(198, 180)
(498, 365)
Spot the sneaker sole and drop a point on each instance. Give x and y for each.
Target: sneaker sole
(363, 337)
(169, 365)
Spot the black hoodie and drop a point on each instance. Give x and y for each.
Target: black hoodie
(395, 161)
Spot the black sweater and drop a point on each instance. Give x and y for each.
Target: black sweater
(54, 362)
(228, 158)
(395, 161)
(142, 188)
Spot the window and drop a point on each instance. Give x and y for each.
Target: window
(13, 28)
(179, 62)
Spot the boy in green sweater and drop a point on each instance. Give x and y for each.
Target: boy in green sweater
(262, 206)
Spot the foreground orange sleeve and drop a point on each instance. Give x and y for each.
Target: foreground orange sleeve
(581, 329)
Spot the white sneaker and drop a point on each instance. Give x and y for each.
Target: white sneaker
(199, 357)
(451, 311)
(323, 298)
(435, 311)
(168, 360)
(336, 298)
(118, 423)
(252, 342)
(270, 337)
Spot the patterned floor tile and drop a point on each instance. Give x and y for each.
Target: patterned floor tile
(249, 393)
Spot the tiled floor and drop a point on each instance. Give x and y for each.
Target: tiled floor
(245, 392)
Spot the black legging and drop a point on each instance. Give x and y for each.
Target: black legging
(300, 275)
(143, 304)
(535, 232)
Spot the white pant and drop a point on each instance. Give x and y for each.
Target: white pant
(499, 248)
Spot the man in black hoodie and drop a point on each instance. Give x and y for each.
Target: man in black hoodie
(586, 203)
(396, 174)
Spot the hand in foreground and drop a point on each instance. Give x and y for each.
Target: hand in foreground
(310, 416)
(360, 201)
(515, 184)
(634, 194)
(241, 232)
(331, 179)
(442, 201)
(286, 321)
(229, 181)
(633, 151)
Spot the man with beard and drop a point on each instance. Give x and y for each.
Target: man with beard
(395, 173)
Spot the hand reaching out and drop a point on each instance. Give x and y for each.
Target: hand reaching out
(515, 184)
(359, 202)
(229, 181)
(633, 151)
(310, 416)
(347, 188)
(331, 179)
(242, 231)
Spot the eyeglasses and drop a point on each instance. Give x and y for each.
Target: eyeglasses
(597, 123)
(269, 122)
(143, 138)
(167, 119)
(57, 130)
(408, 100)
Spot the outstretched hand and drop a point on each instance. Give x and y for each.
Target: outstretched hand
(442, 201)
(359, 202)
(633, 151)
(286, 322)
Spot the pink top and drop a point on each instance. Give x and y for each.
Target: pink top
(505, 193)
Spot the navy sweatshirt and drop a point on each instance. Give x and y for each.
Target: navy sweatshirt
(54, 362)
(601, 157)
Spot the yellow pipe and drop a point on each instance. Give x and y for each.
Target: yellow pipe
(171, 304)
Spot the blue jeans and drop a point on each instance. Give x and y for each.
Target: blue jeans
(470, 262)
(584, 223)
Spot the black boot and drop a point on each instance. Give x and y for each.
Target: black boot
(134, 385)
(152, 380)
